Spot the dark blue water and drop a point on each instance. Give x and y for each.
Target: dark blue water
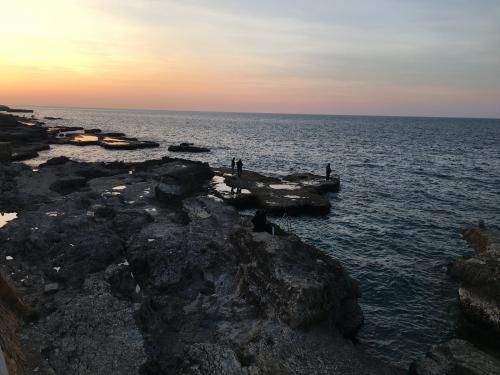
(408, 186)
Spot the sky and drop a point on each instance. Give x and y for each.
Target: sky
(379, 57)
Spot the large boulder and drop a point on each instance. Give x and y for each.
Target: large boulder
(177, 180)
(296, 283)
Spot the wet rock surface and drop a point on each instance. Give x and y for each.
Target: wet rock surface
(128, 282)
(479, 276)
(292, 195)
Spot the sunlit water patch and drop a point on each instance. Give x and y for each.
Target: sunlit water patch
(6, 217)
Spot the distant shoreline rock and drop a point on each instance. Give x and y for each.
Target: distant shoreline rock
(52, 118)
(188, 147)
(14, 110)
(29, 136)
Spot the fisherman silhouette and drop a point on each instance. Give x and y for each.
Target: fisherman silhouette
(233, 163)
(239, 166)
(328, 171)
(260, 223)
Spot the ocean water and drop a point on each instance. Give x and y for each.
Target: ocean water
(407, 187)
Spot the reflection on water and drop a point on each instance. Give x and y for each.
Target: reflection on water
(284, 186)
(6, 217)
(219, 184)
(114, 141)
(85, 138)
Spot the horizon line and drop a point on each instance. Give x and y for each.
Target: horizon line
(259, 113)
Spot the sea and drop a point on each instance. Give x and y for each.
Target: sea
(408, 185)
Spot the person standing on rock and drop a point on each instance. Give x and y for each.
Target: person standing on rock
(239, 166)
(233, 163)
(328, 171)
(260, 223)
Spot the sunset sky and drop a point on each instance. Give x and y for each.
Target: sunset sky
(395, 57)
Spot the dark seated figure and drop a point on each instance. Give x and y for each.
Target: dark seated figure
(260, 223)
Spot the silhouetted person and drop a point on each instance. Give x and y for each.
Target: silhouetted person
(260, 223)
(239, 166)
(233, 163)
(328, 171)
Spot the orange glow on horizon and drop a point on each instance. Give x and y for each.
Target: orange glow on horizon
(171, 55)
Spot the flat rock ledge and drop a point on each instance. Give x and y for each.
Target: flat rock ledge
(28, 136)
(149, 273)
(296, 194)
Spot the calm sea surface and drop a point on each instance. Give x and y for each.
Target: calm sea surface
(408, 186)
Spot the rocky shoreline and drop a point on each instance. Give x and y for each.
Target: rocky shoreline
(27, 136)
(127, 282)
(139, 268)
(146, 268)
(479, 299)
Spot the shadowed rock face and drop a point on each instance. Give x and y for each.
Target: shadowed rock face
(479, 277)
(456, 357)
(25, 139)
(178, 286)
(297, 283)
(293, 195)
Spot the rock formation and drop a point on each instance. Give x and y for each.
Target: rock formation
(292, 195)
(28, 136)
(187, 147)
(130, 278)
(479, 276)
(479, 299)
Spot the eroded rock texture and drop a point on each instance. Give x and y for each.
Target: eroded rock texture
(479, 277)
(136, 270)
